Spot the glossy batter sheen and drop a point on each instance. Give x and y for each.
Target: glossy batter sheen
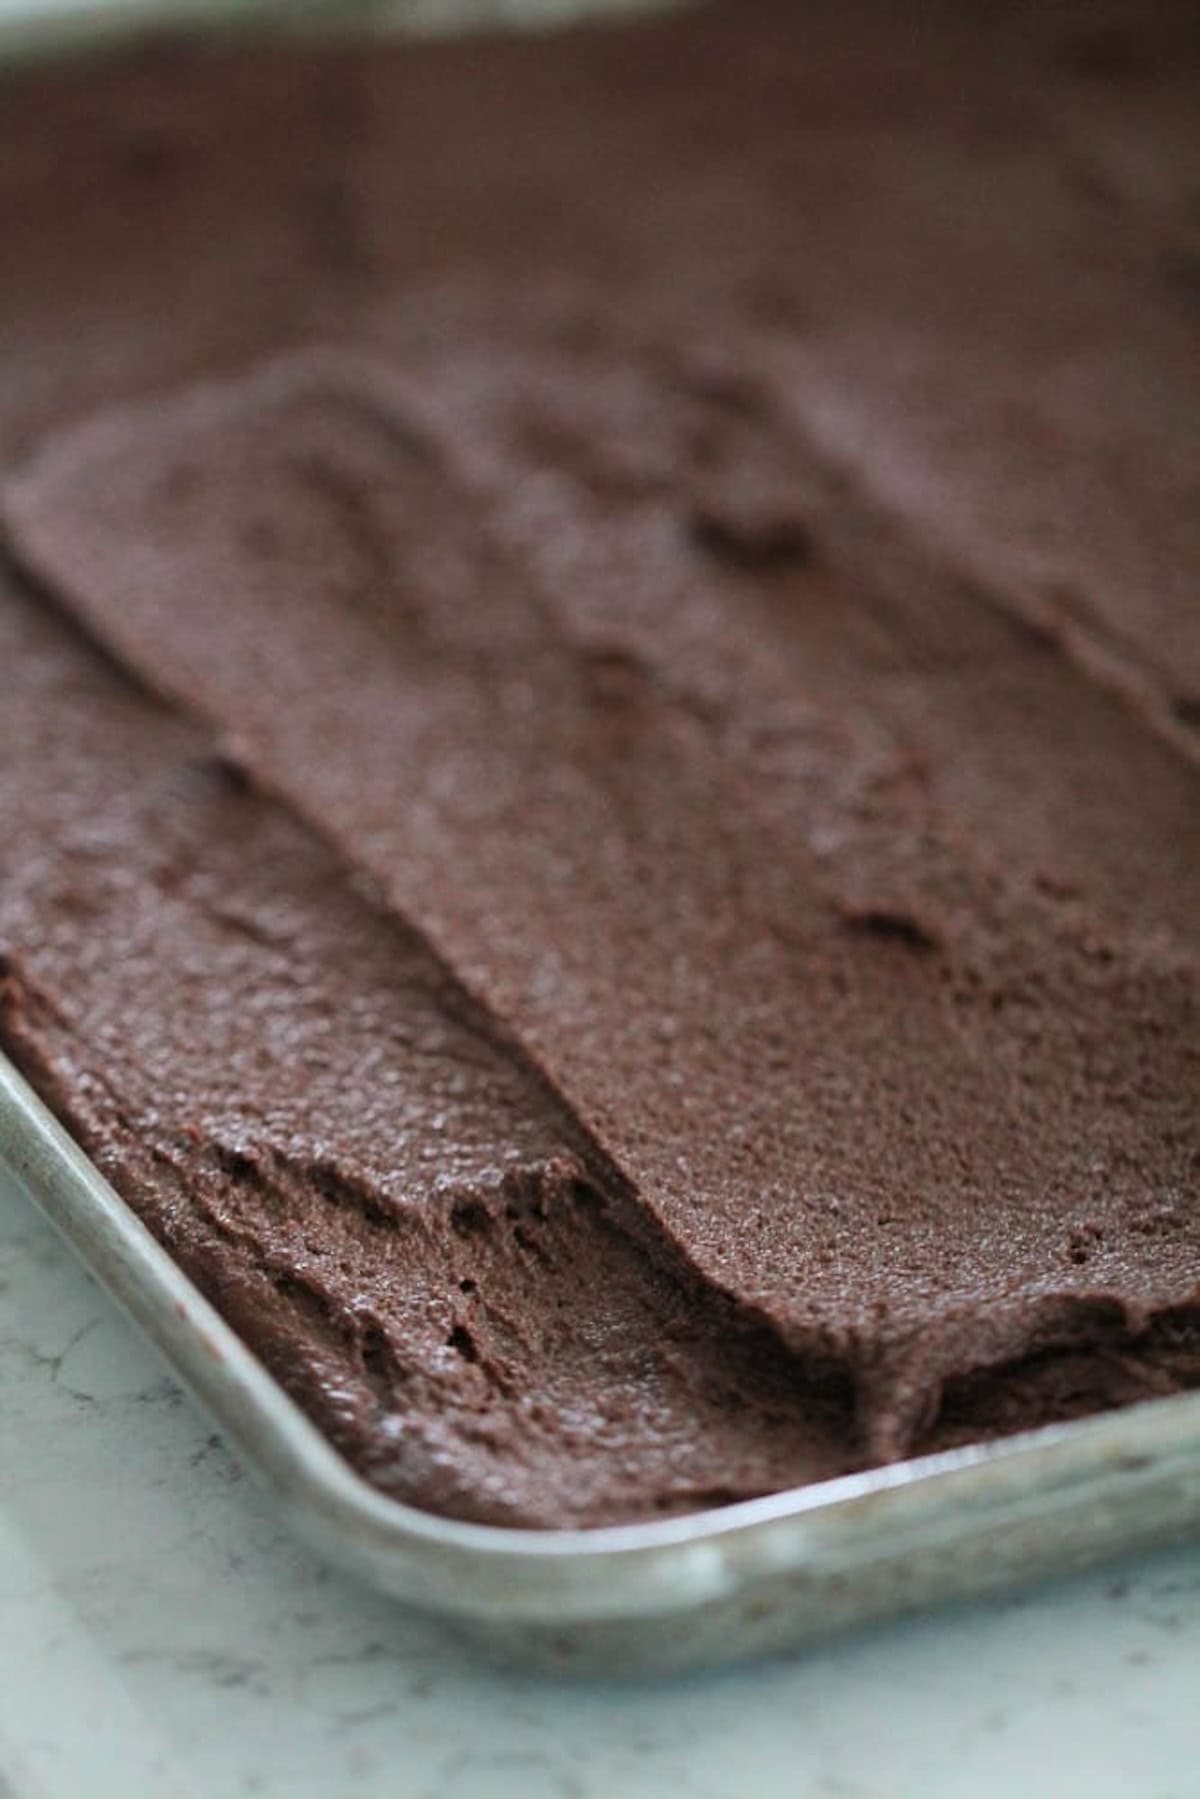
(599, 783)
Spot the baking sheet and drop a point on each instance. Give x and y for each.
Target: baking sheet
(54, 27)
(686, 1592)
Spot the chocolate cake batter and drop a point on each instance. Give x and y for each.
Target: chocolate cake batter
(599, 764)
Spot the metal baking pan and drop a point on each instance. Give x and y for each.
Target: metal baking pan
(37, 28)
(717, 1586)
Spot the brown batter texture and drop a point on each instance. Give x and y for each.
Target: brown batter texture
(600, 788)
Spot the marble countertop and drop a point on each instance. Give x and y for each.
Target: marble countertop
(161, 1636)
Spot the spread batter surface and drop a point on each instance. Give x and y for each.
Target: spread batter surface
(599, 759)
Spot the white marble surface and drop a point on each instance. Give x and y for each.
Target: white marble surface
(159, 1636)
